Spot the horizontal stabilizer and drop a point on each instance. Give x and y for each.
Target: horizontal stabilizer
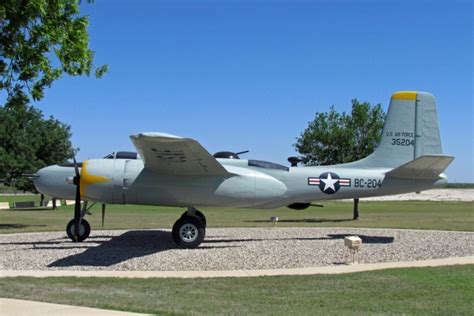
(423, 167)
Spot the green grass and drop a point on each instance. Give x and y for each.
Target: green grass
(429, 291)
(403, 214)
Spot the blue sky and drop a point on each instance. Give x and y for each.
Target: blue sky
(238, 75)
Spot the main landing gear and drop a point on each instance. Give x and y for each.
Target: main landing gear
(190, 229)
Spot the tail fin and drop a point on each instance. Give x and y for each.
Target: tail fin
(410, 131)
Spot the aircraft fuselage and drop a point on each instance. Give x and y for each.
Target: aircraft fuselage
(123, 181)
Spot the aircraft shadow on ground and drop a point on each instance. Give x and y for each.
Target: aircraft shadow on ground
(218, 241)
(129, 245)
(18, 226)
(365, 239)
(302, 220)
(30, 209)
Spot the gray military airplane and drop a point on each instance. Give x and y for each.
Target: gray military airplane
(175, 171)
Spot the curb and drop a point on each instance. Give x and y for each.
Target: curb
(338, 269)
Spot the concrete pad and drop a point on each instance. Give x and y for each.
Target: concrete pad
(15, 307)
(334, 269)
(4, 206)
(50, 203)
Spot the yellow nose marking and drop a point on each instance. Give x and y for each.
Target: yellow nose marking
(88, 178)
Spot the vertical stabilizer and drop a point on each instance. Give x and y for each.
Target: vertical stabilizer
(410, 131)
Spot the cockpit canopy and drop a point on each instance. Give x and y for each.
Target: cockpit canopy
(267, 165)
(122, 155)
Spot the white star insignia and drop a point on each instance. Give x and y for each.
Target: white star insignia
(329, 182)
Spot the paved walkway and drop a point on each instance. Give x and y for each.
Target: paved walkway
(11, 307)
(334, 269)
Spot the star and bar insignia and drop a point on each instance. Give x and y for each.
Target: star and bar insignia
(329, 182)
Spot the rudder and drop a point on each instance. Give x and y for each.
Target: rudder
(410, 131)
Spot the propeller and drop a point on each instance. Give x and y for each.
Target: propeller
(103, 214)
(77, 206)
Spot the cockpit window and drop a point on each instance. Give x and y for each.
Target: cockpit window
(267, 165)
(122, 155)
(126, 155)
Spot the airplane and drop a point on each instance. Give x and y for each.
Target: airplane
(174, 171)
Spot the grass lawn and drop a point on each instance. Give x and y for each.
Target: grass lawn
(430, 291)
(403, 214)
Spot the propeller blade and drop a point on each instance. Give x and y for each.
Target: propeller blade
(77, 211)
(76, 168)
(103, 214)
(77, 206)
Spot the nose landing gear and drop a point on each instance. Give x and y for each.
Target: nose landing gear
(190, 229)
(84, 230)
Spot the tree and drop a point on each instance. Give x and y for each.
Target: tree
(29, 142)
(334, 138)
(40, 41)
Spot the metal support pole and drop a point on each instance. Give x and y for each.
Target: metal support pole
(356, 209)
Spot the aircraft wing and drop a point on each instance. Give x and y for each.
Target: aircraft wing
(423, 167)
(172, 155)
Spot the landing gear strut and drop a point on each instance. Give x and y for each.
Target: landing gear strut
(190, 229)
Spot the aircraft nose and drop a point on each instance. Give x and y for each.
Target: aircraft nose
(52, 181)
(38, 179)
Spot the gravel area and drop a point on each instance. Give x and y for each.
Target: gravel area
(226, 249)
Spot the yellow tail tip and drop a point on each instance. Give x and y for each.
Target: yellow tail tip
(404, 95)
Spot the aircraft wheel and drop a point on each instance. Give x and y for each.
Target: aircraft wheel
(84, 230)
(199, 215)
(188, 232)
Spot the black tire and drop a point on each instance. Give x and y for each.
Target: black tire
(188, 232)
(84, 230)
(197, 214)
